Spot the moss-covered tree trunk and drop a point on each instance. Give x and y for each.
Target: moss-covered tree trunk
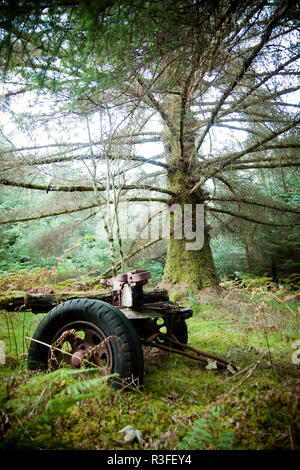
(194, 269)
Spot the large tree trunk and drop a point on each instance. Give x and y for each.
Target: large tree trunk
(194, 269)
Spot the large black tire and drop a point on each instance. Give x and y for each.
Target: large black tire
(127, 355)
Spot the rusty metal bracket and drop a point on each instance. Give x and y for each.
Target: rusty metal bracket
(127, 288)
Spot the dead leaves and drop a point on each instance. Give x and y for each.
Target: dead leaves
(163, 442)
(41, 290)
(132, 434)
(172, 398)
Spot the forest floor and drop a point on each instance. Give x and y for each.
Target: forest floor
(183, 404)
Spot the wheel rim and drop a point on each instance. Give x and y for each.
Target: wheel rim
(81, 341)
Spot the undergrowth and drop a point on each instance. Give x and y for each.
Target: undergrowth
(182, 404)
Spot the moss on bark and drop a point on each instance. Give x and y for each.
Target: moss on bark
(194, 268)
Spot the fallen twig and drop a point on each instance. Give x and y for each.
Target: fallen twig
(244, 379)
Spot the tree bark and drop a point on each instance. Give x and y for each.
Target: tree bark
(194, 269)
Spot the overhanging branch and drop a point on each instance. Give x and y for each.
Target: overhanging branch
(246, 64)
(78, 209)
(223, 162)
(253, 203)
(250, 219)
(76, 157)
(133, 253)
(80, 188)
(263, 165)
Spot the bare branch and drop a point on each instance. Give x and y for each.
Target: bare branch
(156, 105)
(250, 219)
(223, 162)
(69, 188)
(49, 214)
(253, 166)
(247, 62)
(242, 103)
(78, 209)
(133, 253)
(253, 203)
(78, 145)
(69, 158)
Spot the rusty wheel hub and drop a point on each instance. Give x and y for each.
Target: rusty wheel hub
(81, 341)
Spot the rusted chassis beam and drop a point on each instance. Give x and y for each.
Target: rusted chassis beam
(181, 349)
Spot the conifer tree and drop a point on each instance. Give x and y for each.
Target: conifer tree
(198, 67)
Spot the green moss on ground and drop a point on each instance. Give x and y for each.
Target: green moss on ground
(258, 408)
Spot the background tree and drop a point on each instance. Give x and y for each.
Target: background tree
(196, 68)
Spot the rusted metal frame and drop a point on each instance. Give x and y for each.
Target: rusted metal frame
(183, 353)
(197, 351)
(151, 342)
(165, 307)
(139, 276)
(161, 304)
